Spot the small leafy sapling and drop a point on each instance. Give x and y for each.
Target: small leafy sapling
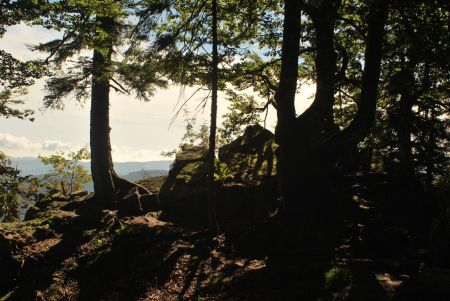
(16, 191)
(10, 181)
(67, 175)
(195, 135)
(243, 110)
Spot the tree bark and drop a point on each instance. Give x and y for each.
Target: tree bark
(101, 161)
(431, 149)
(213, 126)
(285, 97)
(364, 118)
(324, 20)
(404, 132)
(305, 161)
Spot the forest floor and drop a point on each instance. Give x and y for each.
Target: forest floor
(64, 255)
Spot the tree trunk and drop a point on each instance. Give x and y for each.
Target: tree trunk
(305, 164)
(364, 119)
(285, 97)
(324, 19)
(431, 149)
(404, 133)
(212, 134)
(101, 162)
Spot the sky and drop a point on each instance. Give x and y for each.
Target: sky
(140, 131)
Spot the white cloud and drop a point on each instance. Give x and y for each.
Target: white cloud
(55, 145)
(22, 146)
(11, 142)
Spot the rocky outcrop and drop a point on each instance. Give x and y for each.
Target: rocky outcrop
(245, 190)
(430, 284)
(184, 192)
(250, 156)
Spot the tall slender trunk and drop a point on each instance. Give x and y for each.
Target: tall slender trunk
(212, 133)
(324, 19)
(101, 162)
(431, 149)
(404, 133)
(285, 97)
(364, 118)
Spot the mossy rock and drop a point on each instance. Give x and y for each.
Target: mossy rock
(250, 195)
(10, 245)
(251, 155)
(183, 192)
(153, 184)
(431, 284)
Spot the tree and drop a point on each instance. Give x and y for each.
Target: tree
(10, 192)
(16, 76)
(308, 146)
(213, 125)
(187, 42)
(413, 81)
(101, 27)
(67, 175)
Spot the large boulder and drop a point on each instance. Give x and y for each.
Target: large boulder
(9, 263)
(184, 192)
(250, 156)
(246, 189)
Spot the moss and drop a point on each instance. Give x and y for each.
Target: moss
(8, 295)
(337, 283)
(51, 219)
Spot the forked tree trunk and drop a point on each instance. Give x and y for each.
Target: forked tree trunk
(305, 163)
(101, 162)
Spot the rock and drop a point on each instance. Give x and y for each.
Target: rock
(183, 193)
(440, 242)
(150, 202)
(251, 155)
(78, 194)
(130, 205)
(31, 213)
(136, 203)
(10, 265)
(246, 202)
(431, 284)
(152, 184)
(45, 204)
(43, 232)
(248, 193)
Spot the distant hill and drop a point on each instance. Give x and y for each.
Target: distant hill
(34, 166)
(134, 177)
(139, 175)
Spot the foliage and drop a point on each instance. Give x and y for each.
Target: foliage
(10, 182)
(83, 24)
(15, 75)
(68, 175)
(9, 99)
(15, 190)
(194, 135)
(243, 110)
